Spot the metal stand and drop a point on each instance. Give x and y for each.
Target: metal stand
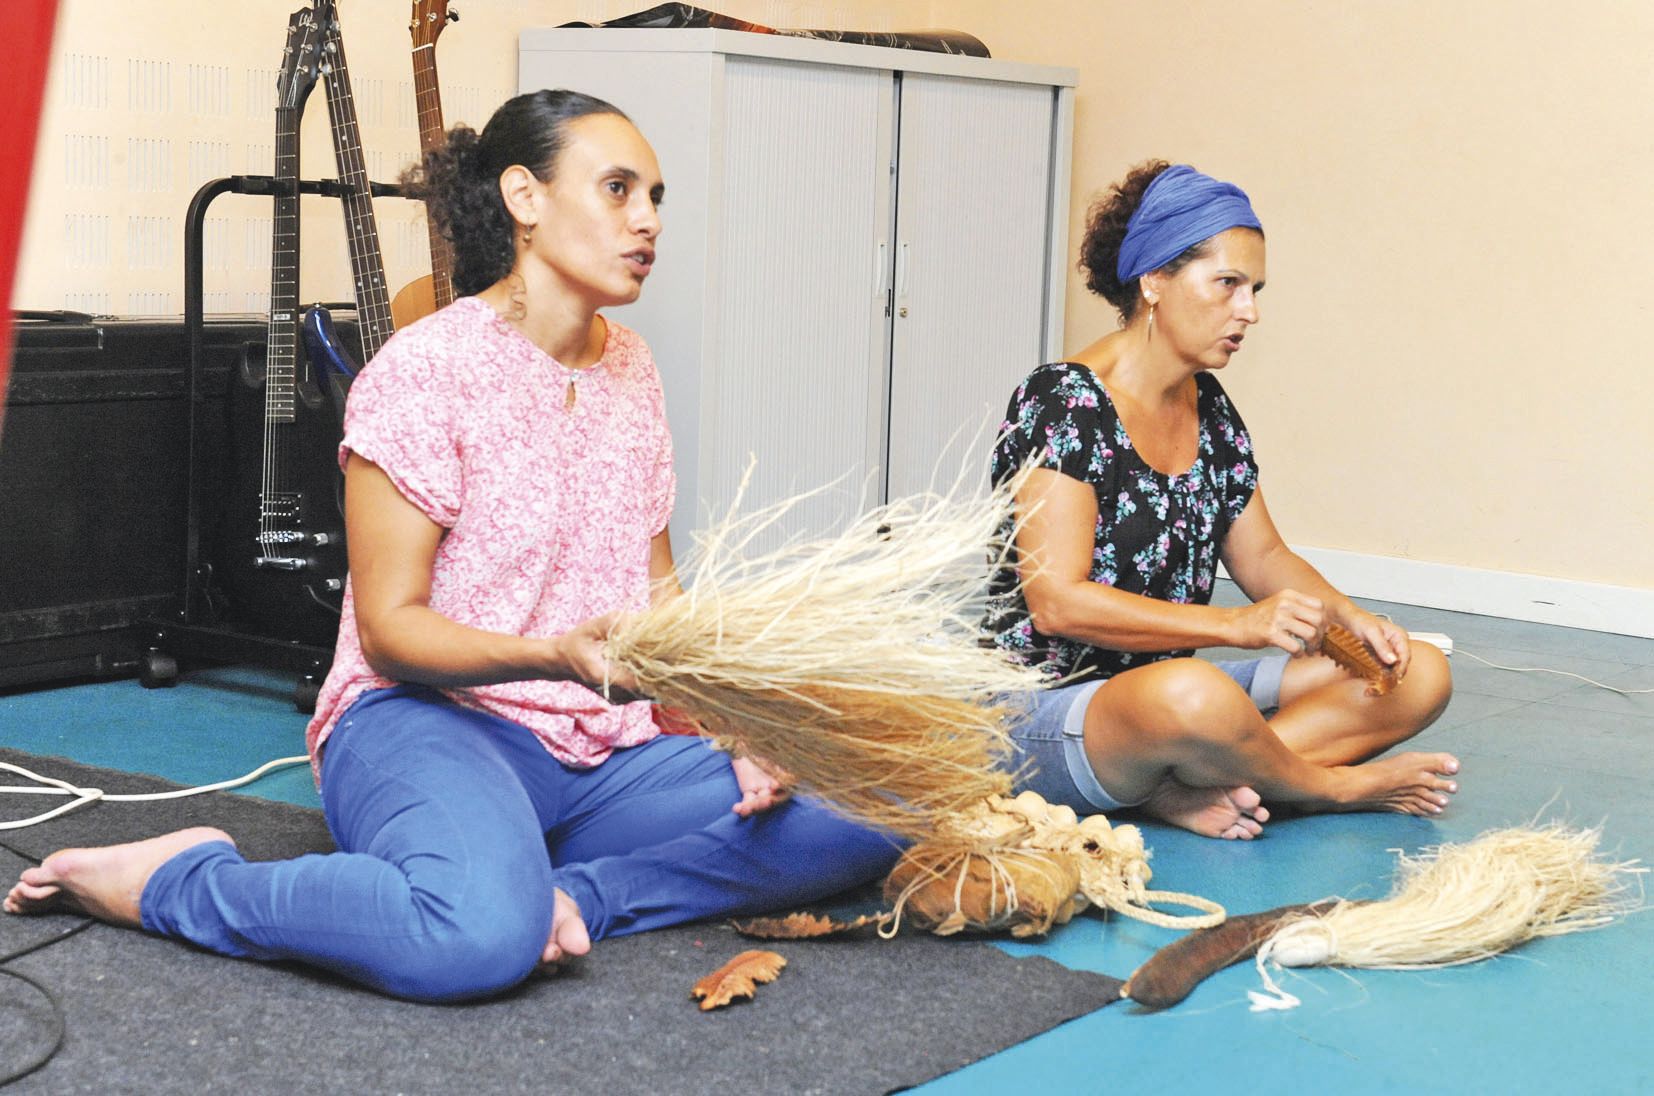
(193, 634)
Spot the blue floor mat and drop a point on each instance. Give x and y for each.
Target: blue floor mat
(1565, 1012)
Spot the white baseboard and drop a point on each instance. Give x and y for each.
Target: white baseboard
(1625, 610)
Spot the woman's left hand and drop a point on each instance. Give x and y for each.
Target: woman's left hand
(1387, 639)
(762, 787)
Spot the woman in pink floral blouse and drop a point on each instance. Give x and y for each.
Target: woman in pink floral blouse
(509, 480)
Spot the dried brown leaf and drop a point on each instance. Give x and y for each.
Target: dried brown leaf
(737, 978)
(805, 926)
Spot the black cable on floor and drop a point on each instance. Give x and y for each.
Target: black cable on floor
(59, 1018)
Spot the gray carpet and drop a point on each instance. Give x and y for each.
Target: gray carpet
(151, 1015)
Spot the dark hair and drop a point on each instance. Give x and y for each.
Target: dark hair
(460, 181)
(1105, 231)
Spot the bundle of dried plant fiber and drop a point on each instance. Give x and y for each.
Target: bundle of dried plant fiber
(1458, 904)
(1025, 865)
(855, 662)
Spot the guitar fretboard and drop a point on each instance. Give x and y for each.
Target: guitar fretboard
(428, 101)
(280, 342)
(373, 305)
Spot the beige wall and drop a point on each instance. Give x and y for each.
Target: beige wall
(1456, 360)
(1454, 363)
(145, 102)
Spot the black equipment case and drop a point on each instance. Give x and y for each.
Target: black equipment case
(105, 567)
(94, 483)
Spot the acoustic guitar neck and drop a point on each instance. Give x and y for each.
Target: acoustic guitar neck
(429, 18)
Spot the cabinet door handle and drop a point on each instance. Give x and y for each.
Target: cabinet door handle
(879, 269)
(901, 269)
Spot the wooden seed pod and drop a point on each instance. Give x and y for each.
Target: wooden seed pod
(957, 889)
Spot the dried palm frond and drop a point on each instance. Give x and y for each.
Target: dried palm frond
(855, 663)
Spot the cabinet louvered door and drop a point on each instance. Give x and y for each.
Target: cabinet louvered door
(973, 229)
(773, 312)
(794, 362)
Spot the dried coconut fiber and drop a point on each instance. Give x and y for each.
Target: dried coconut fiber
(1459, 904)
(855, 662)
(1025, 865)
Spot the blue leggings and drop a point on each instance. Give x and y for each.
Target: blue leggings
(454, 828)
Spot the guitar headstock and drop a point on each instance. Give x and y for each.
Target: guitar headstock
(429, 17)
(301, 59)
(327, 19)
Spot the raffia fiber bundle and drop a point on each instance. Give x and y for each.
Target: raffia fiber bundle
(1025, 865)
(854, 663)
(1459, 904)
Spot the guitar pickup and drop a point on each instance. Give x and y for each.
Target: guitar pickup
(280, 505)
(281, 563)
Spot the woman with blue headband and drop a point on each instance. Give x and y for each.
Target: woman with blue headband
(1144, 480)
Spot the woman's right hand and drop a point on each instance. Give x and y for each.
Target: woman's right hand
(580, 654)
(1292, 621)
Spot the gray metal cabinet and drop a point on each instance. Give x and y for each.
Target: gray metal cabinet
(863, 252)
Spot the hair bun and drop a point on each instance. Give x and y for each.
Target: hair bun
(1105, 231)
(465, 146)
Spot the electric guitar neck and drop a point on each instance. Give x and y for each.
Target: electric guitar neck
(373, 308)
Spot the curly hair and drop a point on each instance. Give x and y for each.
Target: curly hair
(459, 181)
(1105, 231)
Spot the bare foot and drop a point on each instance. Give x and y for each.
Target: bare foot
(1234, 814)
(568, 933)
(103, 882)
(1409, 783)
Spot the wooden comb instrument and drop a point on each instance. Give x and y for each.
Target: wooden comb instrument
(1352, 653)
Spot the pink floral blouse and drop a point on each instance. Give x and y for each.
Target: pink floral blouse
(548, 510)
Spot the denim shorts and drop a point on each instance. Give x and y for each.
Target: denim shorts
(1049, 747)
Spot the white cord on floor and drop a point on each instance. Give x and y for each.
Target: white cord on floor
(1539, 669)
(47, 785)
(1548, 670)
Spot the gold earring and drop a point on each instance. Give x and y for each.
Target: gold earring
(528, 234)
(1151, 319)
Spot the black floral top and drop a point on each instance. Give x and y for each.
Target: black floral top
(1156, 535)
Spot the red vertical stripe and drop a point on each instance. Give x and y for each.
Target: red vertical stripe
(29, 26)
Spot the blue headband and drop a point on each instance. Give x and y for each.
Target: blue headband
(1180, 208)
